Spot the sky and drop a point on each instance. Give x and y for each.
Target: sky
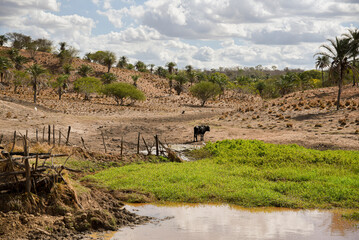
(203, 33)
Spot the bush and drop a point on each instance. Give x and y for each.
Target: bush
(108, 78)
(121, 91)
(87, 85)
(205, 90)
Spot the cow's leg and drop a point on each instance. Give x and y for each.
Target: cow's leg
(195, 138)
(202, 136)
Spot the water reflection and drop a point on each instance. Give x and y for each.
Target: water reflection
(230, 222)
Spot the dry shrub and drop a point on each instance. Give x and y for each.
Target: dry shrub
(270, 111)
(282, 109)
(342, 121)
(289, 125)
(307, 107)
(318, 125)
(301, 104)
(347, 103)
(356, 131)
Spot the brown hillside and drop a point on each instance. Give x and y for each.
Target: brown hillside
(307, 118)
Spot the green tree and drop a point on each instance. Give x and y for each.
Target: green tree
(84, 70)
(151, 67)
(3, 40)
(160, 71)
(135, 79)
(219, 78)
(43, 45)
(12, 53)
(20, 61)
(181, 79)
(122, 62)
(130, 66)
(338, 51)
(353, 37)
(87, 85)
(60, 84)
(20, 78)
(306, 78)
(322, 62)
(121, 91)
(141, 66)
(109, 59)
(108, 78)
(260, 86)
(67, 68)
(5, 64)
(66, 53)
(19, 40)
(205, 91)
(191, 75)
(171, 67)
(287, 83)
(35, 71)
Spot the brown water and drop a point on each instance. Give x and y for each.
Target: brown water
(222, 222)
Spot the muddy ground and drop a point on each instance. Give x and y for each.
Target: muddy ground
(305, 118)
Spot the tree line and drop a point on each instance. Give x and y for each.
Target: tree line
(335, 65)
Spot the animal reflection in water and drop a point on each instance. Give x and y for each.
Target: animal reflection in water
(200, 130)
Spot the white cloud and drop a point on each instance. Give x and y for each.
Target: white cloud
(203, 33)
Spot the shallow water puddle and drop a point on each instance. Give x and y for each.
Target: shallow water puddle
(199, 221)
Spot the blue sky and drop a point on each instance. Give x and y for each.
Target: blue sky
(204, 33)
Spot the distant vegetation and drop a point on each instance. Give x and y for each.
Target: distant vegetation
(336, 63)
(248, 173)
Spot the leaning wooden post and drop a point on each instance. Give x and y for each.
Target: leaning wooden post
(103, 141)
(28, 176)
(49, 135)
(121, 147)
(43, 134)
(83, 143)
(53, 135)
(13, 146)
(157, 147)
(37, 135)
(148, 150)
(26, 152)
(68, 136)
(59, 137)
(138, 143)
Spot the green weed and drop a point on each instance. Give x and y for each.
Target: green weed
(248, 173)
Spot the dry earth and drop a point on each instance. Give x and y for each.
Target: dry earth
(305, 118)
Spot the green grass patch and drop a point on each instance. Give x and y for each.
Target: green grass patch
(248, 173)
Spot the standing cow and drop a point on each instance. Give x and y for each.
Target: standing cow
(200, 130)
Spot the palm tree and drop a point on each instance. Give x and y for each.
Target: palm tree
(5, 64)
(190, 73)
(19, 61)
(171, 67)
(322, 62)
(338, 51)
(67, 68)
(353, 36)
(84, 70)
(123, 62)
(109, 59)
(3, 40)
(35, 71)
(151, 67)
(141, 66)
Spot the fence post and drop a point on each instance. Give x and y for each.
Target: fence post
(68, 136)
(138, 143)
